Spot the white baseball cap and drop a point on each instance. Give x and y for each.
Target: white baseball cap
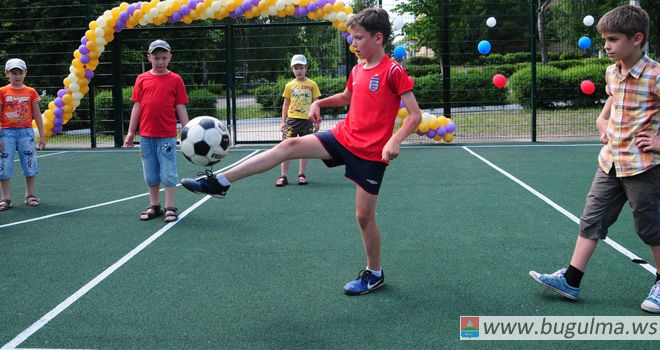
(159, 44)
(15, 63)
(298, 59)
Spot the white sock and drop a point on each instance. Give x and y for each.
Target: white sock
(375, 273)
(222, 180)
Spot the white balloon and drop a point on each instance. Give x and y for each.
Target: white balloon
(280, 5)
(331, 16)
(76, 103)
(491, 22)
(397, 24)
(100, 41)
(74, 87)
(72, 78)
(77, 96)
(588, 20)
(341, 16)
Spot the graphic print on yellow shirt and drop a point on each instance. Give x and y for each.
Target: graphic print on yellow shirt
(301, 95)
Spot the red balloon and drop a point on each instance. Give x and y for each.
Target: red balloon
(499, 80)
(587, 87)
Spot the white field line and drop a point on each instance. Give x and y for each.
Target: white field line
(565, 212)
(24, 335)
(110, 202)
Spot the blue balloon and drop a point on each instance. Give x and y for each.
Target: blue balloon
(484, 47)
(399, 52)
(584, 43)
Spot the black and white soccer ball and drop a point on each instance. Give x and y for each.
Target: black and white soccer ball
(204, 141)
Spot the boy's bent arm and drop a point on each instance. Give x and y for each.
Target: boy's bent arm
(336, 100)
(392, 147)
(603, 120)
(132, 125)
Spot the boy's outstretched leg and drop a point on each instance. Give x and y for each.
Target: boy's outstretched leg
(295, 148)
(365, 213)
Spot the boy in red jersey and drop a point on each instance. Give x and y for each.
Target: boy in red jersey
(20, 105)
(363, 142)
(159, 96)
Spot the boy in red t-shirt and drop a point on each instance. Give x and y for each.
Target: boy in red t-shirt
(363, 141)
(159, 96)
(20, 106)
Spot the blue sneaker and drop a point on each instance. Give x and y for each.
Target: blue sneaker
(205, 185)
(557, 283)
(365, 283)
(652, 302)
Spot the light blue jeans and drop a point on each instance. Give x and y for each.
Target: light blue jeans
(19, 140)
(159, 160)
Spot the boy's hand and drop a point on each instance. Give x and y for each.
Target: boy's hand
(42, 143)
(128, 142)
(282, 126)
(391, 150)
(314, 113)
(601, 124)
(648, 142)
(317, 126)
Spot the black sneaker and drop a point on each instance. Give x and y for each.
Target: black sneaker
(205, 185)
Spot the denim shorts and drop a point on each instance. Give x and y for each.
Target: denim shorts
(21, 140)
(159, 160)
(607, 197)
(365, 173)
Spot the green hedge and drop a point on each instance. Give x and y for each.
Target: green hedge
(572, 77)
(422, 70)
(548, 86)
(201, 102)
(269, 96)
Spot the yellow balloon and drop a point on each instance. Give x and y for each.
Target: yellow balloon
(51, 106)
(449, 137)
(93, 25)
(67, 108)
(34, 126)
(76, 63)
(437, 138)
(434, 123)
(67, 99)
(443, 120)
(123, 6)
(290, 10)
(66, 81)
(91, 45)
(348, 9)
(338, 6)
(115, 13)
(342, 27)
(423, 126)
(327, 8)
(351, 49)
(48, 132)
(49, 115)
(403, 113)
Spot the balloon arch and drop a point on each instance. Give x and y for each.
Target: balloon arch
(126, 16)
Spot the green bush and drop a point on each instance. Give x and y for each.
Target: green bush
(549, 86)
(475, 88)
(578, 62)
(422, 70)
(572, 77)
(428, 91)
(201, 102)
(422, 61)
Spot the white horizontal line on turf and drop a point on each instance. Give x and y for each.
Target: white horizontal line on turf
(100, 204)
(24, 335)
(566, 213)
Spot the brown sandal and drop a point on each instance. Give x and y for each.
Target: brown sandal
(32, 200)
(171, 215)
(302, 179)
(153, 211)
(5, 204)
(281, 181)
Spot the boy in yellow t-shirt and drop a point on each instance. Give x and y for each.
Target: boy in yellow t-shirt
(298, 95)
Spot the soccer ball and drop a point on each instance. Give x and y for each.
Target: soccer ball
(204, 141)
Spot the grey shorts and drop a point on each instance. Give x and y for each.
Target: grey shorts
(297, 127)
(609, 193)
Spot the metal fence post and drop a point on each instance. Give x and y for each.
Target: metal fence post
(446, 67)
(533, 33)
(117, 95)
(90, 96)
(231, 80)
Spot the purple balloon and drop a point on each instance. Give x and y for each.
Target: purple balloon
(440, 131)
(123, 16)
(451, 127)
(83, 40)
(83, 49)
(311, 7)
(255, 3)
(89, 74)
(130, 9)
(247, 5)
(420, 133)
(84, 59)
(345, 34)
(431, 133)
(61, 92)
(58, 112)
(303, 11)
(58, 122)
(320, 3)
(184, 10)
(401, 104)
(58, 102)
(239, 12)
(349, 39)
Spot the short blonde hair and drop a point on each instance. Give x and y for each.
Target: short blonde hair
(628, 20)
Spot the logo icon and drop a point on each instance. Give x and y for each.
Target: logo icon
(469, 326)
(374, 83)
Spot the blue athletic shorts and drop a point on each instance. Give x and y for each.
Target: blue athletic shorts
(366, 173)
(21, 141)
(159, 160)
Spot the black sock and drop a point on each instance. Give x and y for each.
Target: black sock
(573, 276)
(657, 277)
